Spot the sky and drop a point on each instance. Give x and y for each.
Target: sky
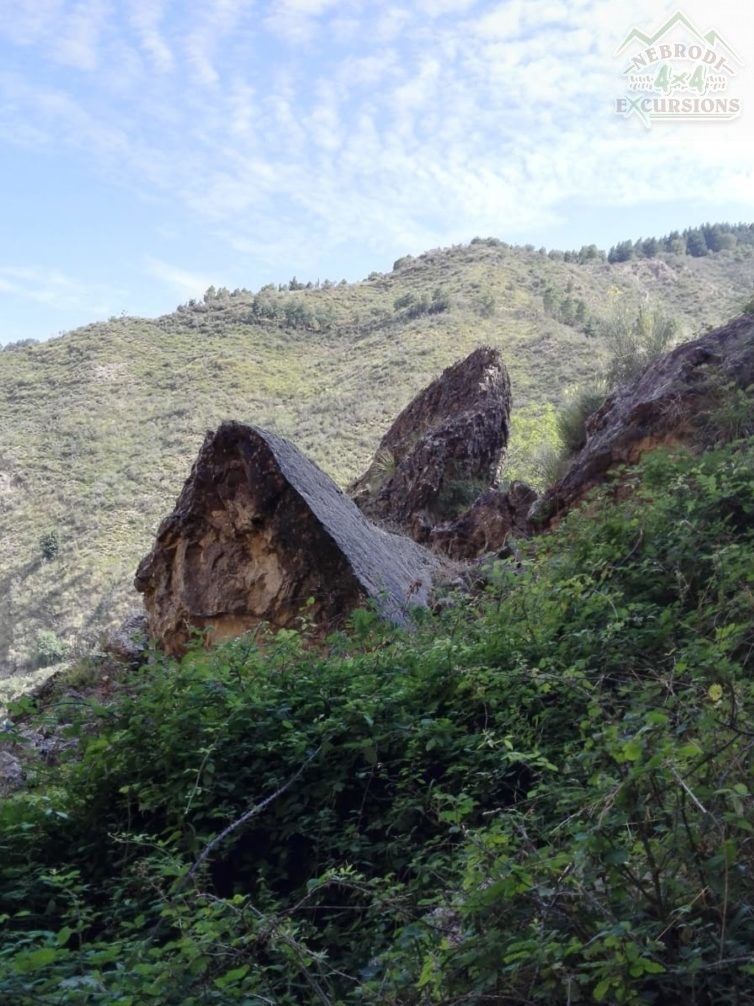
(150, 148)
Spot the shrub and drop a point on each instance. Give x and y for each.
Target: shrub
(457, 494)
(405, 300)
(401, 262)
(50, 648)
(49, 545)
(573, 414)
(533, 445)
(20, 344)
(485, 305)
(441, 301)
(634, 341)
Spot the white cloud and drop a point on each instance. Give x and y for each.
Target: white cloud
(389, 127)
(181, 282)
(79, 40)
(295, 20)
(438, 8)
(51, 286)
(145, 16)
(26, 21)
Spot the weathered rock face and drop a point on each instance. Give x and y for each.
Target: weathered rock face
(257, 530)
(11, 773)
(487, 524)
(443, 449)
(663, 406)
(128, 643)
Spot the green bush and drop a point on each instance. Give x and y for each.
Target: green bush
(50, 648)
(578, 406)
(533, 447)
(49, 545)
(634, 341)
(539, 794)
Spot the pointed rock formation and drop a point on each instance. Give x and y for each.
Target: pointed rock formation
(258, 530)
(443, 450)
(487, 524)
(665, 405)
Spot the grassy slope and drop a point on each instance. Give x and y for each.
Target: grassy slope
(100, 426)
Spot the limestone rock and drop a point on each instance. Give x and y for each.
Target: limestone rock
(664, 405)
(128, 644)
(11, 773)
(487, 524)
(443, 450)
(258, 530)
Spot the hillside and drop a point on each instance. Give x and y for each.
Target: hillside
(100, 426)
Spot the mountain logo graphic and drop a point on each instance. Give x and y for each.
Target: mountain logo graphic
(678, 73)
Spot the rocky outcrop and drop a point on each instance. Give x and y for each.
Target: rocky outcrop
(665, 405)
(128, 643)
(443, 450)
(11, 773)
(487, 524)
(258, 530)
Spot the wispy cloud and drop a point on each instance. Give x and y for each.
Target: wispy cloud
(52, 286)
(181, 282)
(293, 127)
(145, 16)
(294, 20)
(79, 42)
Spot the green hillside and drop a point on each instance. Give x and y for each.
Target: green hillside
(101, 425)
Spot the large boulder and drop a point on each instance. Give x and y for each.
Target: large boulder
(488, 523)
(664, 406)
(258, 530)
(443, 450)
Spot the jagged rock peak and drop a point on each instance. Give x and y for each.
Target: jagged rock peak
(665, 405)
(443, 450)
(258, 530)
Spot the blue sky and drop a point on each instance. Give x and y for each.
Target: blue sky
(150, 148)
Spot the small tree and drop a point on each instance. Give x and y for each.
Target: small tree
(634, 341)
(621, 252)
(696, 244)
(49, 545)
(440, 301)
(50, 649)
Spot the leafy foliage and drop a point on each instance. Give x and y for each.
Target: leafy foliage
(634, 341)
(50, 648)
(539, 794)
(576, 409)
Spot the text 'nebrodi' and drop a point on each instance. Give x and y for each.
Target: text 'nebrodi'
(678, 73)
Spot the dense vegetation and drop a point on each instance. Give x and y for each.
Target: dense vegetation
(694, 241)
(541, 793)
(100, 426)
